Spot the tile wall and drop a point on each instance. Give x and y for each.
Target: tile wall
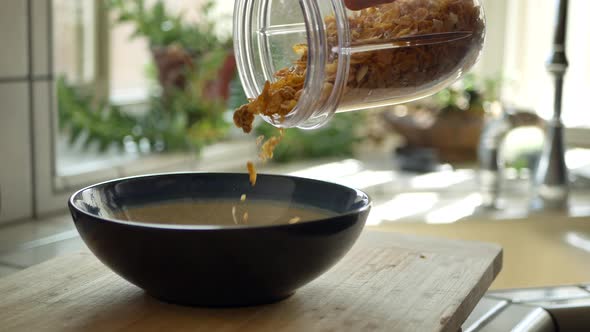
(25, 93)
(15, 172)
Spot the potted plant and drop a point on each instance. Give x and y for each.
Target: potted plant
(195, 68)
(177, 46)
(449, 123)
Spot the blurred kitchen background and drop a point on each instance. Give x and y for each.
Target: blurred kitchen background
(92, 90)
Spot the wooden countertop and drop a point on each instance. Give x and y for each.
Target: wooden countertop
(387, 282)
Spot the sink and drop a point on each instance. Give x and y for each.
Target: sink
(547, 309)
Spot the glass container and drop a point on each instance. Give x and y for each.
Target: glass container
(338, 60)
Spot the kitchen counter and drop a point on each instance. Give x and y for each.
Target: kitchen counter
(387, 282)
(543, 251)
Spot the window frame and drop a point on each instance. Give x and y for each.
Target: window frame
(51, 191)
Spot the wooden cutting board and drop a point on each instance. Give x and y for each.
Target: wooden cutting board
(387, 282)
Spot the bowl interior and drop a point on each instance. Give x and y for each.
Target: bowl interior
(215, 199)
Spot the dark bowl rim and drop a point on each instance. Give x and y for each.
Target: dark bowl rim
(360, 193)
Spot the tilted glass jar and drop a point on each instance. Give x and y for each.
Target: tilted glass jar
(351, 60)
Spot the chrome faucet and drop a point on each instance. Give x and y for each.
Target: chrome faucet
(551, 178)
(551, 188)
(489, 152)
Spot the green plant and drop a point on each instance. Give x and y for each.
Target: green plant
(185, 121)
(101, 124)
(337, 139)
(470, 94)
(162, 28)
(237, 95)
(187, 115)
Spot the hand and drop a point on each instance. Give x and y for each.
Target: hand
(360, 4)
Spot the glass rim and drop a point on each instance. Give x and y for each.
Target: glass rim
(310, 111)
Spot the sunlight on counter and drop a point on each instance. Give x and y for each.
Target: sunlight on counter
(402, 206)
(455, 211)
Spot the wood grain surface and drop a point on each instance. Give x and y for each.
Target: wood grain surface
(387, 282)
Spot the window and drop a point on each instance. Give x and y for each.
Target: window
(44, 41)
(95, 54)
(130, 59)
(528, 43)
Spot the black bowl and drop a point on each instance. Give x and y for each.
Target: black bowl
(218, 266)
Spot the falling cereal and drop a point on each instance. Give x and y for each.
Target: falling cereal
(252, 173)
